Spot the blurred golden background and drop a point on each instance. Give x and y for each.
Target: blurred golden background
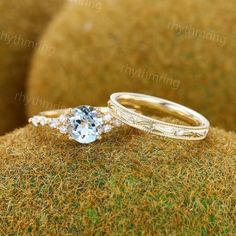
(56, 54)
(93, 48)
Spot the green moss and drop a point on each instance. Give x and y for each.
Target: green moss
(93, 216)
(129, 183)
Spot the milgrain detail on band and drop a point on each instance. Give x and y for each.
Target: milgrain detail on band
(154, 126)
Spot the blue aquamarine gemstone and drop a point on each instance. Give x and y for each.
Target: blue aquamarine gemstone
(85, 126)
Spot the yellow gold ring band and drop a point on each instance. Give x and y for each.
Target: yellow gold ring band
(132, 109)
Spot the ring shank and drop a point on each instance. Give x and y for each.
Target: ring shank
(57, 113)
(157, 104)
(128, 106)
(54, 113)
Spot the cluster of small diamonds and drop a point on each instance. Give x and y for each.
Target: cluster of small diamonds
(108, 121)
(60, 123)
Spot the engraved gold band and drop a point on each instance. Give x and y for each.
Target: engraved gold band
(137, 110)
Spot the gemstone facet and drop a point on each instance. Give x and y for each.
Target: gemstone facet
(85, 125)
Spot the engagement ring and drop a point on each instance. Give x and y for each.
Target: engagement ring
(84, 124)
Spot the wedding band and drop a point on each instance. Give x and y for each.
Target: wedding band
(138, 110)
(84, 124)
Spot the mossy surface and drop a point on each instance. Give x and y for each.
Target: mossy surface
(129, 183)
(178, 51)
(21, 25)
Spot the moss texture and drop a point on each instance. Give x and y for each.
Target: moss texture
(129, 183)
(178, 51)
(21, 25)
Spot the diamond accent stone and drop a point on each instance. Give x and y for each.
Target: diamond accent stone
(42, 121)
(63, 129)
(85, 126)
(35, 121)
(62, 119)
(107, 128)
(107, 118)
(117, 123)
(54, 123)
